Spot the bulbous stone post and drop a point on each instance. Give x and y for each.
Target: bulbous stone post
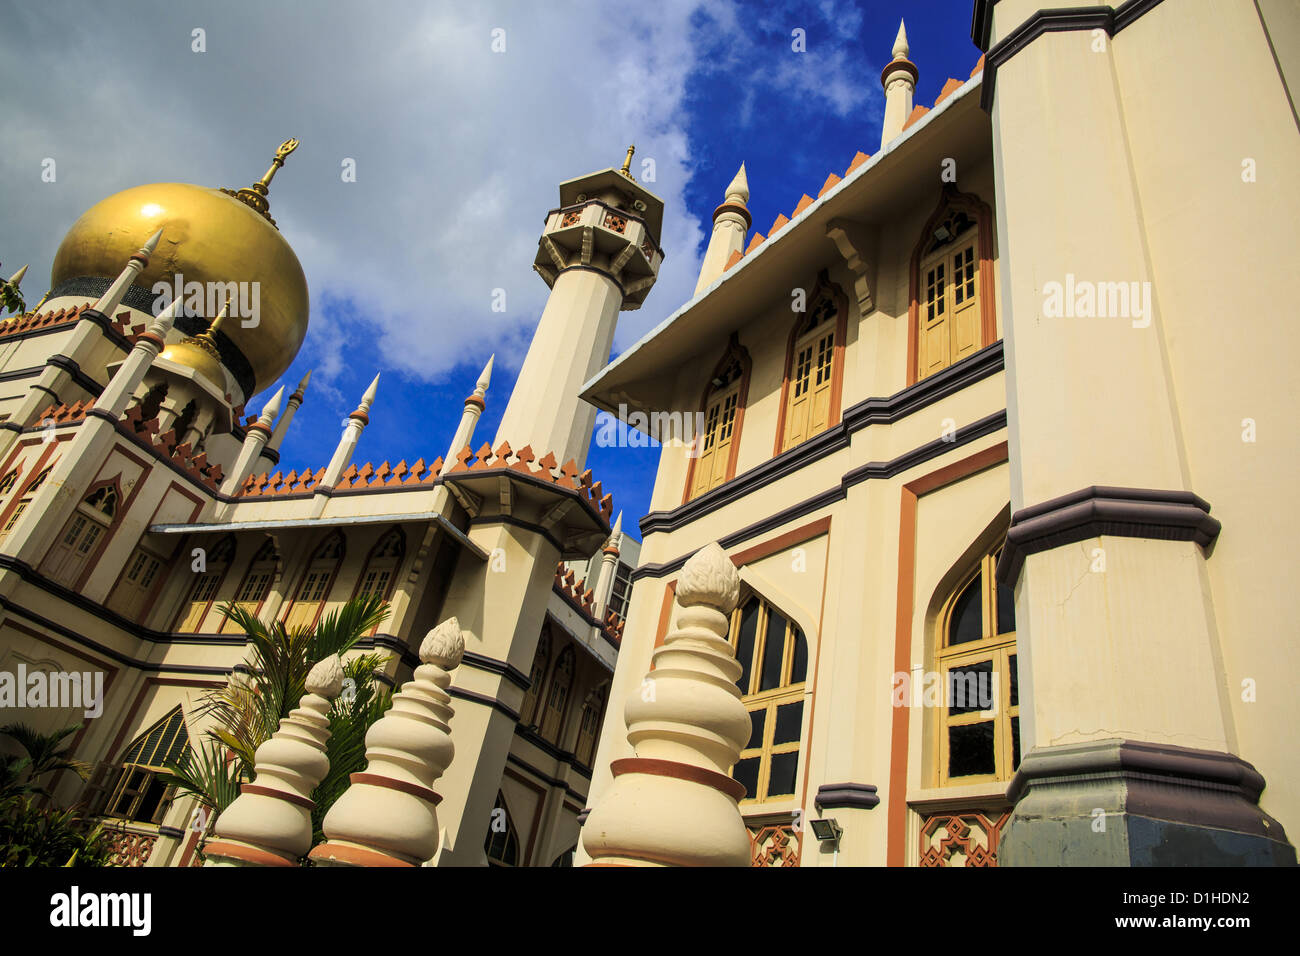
(388, 816)
(673, 804)
(269, 824)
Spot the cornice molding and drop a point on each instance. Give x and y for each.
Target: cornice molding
(1101, 510)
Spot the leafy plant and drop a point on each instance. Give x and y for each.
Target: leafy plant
(248, 710)
(32, 835)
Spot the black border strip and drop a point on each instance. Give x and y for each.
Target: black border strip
(870, 471)
(872, 411)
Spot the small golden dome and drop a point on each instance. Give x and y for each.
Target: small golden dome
(192, 354)
(208, 236)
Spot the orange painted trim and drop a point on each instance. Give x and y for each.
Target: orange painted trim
(245, 854)
(679, 771)
(665, 616)
(781, 542)
(331, 852)
(734, 348)
(837, 363)
(260, 791)
(896, 845)
(388, 783)
(953, 198)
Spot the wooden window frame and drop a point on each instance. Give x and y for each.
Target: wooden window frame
(257, 564)
(511, 833)
(562, 712)
(533, 695)
(823, 287)
(953, 200)
(382, 564)
(769, 700)
(734, 352)
(88, 557)
(150, 767)
(317, 565)
(991, 646)
(218, 573)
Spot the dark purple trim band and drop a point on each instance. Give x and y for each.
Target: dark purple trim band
(1098, 510)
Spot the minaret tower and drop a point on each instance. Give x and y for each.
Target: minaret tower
(731, 221)
(600, 254)
(899, 80)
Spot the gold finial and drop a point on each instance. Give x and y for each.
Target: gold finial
(205, 338)
(255, 195)
(627, 163)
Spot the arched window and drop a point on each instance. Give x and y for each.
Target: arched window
(80, 536)
(257, 582)
(593, 710)
(951, 286)
(565, 858)
(204, 589)
(814, 367)
(979, 732)
(723, 408)
(137, 793)
(381, 565)
(28, 494)
(773, 655)
(536, 675)
(316, 581)
(502, 843)
(8, 481)
(557, 696)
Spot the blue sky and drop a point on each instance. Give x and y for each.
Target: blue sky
(459, 150)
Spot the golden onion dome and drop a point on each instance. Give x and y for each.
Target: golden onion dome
(209, 236)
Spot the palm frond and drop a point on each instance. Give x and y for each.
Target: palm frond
(207, 774)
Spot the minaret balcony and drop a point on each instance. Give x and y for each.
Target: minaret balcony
(596, 235)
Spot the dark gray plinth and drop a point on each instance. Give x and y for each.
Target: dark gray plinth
(1162, 806)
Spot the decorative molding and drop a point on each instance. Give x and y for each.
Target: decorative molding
(824, 287)
(872, 411)
(656, 522)
(1101, 510)
(1065, 19)
(854, 796)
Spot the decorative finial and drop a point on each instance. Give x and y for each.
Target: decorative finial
(162, 323)
(255, 195)
(18, 277)
(302, 386)
(326, 678)
(272, 408)
(444, 645)
(627, 163)
(900, 43)
(483, 380)
(709, 577)
(368, 398)
(151, 243)
(738, 188)
(205, 339)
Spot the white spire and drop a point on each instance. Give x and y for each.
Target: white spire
(162, 323)
(18, 277)
(481, 387)
(369, 397)
(738, 188)
(900, 43)
(112, 297)
(271, 408)
(302, 386)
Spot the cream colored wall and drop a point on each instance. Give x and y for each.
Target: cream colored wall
(1222, 256)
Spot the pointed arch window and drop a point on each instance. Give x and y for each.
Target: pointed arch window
(593, 711)
(814, 367)
(951, 311)
(381, 565)
(28, 494)
(136, 585)
(557, 695)
(979, 731)
(8, 481)
(316, 582)
(722, 410)
(256, 584)
(203, 590)
(773, 655)
(536, 676)
(138, 793)
(82, 534)
(502, 843)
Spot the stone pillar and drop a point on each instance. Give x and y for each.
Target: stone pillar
(1126, 720)
(269, 824)
(608, 568)
(284, 421)
(255, 438)
(674, 804)
(388, 816)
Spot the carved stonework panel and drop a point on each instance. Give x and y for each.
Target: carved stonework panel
(775, 845)
(962, 838)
